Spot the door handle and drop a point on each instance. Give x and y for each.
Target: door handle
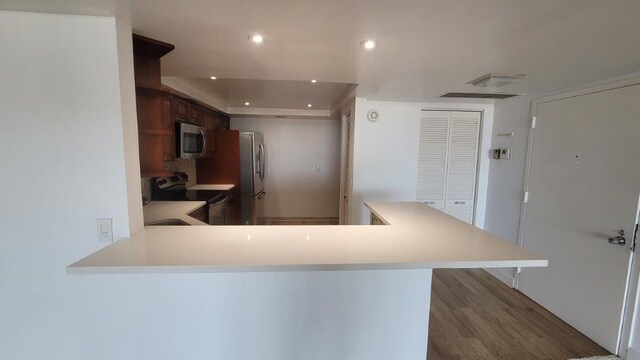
(618, 240)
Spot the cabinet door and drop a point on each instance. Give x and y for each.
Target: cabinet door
(208, 120)
(432, 158)
(194, 114)
(169, 125)
(447, 161)
(180, 109)
(462, 164)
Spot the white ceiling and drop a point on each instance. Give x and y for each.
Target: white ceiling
(427, 47)
(279, 94)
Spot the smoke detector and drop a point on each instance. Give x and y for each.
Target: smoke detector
(496, 80)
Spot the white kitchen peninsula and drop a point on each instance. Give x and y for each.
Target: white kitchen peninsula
(316, 292)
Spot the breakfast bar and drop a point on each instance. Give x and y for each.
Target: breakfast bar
(317, 292)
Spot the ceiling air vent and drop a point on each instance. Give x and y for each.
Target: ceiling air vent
(496, 80)
(466, 95)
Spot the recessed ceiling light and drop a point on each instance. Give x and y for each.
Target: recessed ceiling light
(309, 105)
(256, 38)
(314, 81)
(246, 103)
(369, 44)
(212, 77)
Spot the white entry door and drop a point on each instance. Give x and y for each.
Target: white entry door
(584, 182)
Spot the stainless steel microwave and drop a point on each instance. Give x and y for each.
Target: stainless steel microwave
(190, 141)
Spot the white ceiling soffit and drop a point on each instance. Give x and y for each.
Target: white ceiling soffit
(426, 47)
(230, 95)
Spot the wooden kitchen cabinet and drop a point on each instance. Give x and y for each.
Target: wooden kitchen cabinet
(194, 114)
(224, 168)
(169, 141)
(180, 110)
(208, 122)
(156, 131)
(159, 107)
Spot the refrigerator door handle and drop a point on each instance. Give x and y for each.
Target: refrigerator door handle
(262, 158)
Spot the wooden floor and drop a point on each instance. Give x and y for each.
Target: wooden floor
(475, 316)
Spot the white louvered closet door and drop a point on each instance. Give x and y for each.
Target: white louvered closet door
(432, 158)
(448, 160)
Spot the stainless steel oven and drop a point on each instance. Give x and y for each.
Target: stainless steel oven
(190, 141)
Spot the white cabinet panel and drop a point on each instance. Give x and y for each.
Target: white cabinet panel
(462, 209)
(447, 161)
(432, 157)
(436, 204)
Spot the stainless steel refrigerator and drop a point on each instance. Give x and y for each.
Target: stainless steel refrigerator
(252, 175)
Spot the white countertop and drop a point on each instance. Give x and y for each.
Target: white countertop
(418, 237)
(223, 187)
(157, 211)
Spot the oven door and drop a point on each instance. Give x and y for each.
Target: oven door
(191, 141)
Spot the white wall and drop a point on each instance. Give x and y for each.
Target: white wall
(506, 177)
(294, 148)
(130, 126)
(65, 120)
(63, 166)
(386, 153)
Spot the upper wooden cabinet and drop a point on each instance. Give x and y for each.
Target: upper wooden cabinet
(180, 109)
(169, 141)
(187, 112)
(155, 130)
(146, 56)
(208, 121)
(194, 114)
(160, 107)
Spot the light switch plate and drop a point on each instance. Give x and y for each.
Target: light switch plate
(105, 229)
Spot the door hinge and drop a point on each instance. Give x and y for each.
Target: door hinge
(525, 198)
(635, 236)
(533, 122)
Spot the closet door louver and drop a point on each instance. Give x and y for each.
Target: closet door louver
(447, 161)
(432, 158)
(461, 165)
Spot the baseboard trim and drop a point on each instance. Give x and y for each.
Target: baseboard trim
(633, 354)
(505, 278)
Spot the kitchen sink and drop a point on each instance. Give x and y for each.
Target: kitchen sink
(168, 222)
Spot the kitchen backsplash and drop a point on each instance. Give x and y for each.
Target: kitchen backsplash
(179, 165)
(185, 166)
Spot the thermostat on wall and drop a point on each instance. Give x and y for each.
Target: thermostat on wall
(373, 115)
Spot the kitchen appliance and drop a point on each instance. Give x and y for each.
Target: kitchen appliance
(252, 175)
(190, 141)
(174, 188)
